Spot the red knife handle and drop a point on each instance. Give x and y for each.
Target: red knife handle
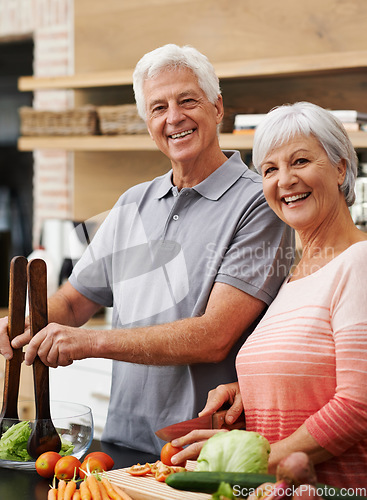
(218, 421)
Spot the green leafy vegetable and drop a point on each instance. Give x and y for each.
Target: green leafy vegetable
(235, 451)
(13, 443)
(224, 491)
(66, 447)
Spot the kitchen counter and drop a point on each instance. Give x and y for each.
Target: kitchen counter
(28, 485)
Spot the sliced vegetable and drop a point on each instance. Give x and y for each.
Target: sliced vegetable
(140, 470)
(162, 473)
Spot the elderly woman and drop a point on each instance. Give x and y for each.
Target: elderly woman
(302, 374)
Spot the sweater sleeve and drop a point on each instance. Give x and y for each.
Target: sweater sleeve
(343, 420)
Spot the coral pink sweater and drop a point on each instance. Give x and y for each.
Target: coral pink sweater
(307, 362)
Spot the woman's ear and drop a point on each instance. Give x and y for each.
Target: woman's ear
(342, 170)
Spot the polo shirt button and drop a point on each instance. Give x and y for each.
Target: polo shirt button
(175, 217)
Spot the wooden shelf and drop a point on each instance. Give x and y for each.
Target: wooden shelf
(140, 142)
(117, 143)
(89, 143)
(272, 67)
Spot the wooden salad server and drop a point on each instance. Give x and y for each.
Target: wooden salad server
(44, 436)
(16, 315)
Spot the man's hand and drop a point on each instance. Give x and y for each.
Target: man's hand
(59, 345)
(5, 347)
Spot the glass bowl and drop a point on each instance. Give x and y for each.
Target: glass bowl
(73, 422)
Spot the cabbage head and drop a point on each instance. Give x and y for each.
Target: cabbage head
(235, 451)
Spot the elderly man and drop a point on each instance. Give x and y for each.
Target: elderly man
(189, 261)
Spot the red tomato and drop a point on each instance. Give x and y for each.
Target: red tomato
(162, 472)
(67, 467)
(45, 463)
(139, 470)
(167, 453)
(100, 455)
(91, 465)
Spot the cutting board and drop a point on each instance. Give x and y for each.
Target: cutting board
(148, 488)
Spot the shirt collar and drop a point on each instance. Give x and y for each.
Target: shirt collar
(214, 186)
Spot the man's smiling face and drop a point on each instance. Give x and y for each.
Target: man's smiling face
(180, 119)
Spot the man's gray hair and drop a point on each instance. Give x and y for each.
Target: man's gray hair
(172, 56)
(304, 118)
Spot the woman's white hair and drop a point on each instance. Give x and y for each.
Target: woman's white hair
(304, 118)
(172, 56)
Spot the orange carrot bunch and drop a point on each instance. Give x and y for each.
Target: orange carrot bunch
(92, 488)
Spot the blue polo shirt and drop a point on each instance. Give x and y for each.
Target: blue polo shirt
(155, 259)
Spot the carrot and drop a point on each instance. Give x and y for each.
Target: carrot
(110, 491)
(122, 493)
(52, 494)
(61, 489)
(76, 495)
(103, 491)
(84, 491)
(69, 490)
(93, 487)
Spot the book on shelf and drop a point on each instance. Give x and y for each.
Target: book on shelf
(352, 126)
(350, 115)
(352, 120)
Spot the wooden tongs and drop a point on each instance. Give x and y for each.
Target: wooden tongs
(17, 301)
(44, 436)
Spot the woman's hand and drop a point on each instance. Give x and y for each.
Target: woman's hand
(194, 440)
(225, 393)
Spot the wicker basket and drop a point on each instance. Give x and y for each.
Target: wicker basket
(124, 119)
(79, 121)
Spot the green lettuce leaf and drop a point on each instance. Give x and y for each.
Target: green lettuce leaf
(235, 451)
(67, 448)
(13, 443)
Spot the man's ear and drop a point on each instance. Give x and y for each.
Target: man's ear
(220, 109)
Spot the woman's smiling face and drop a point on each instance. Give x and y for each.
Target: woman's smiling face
(300, 183)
